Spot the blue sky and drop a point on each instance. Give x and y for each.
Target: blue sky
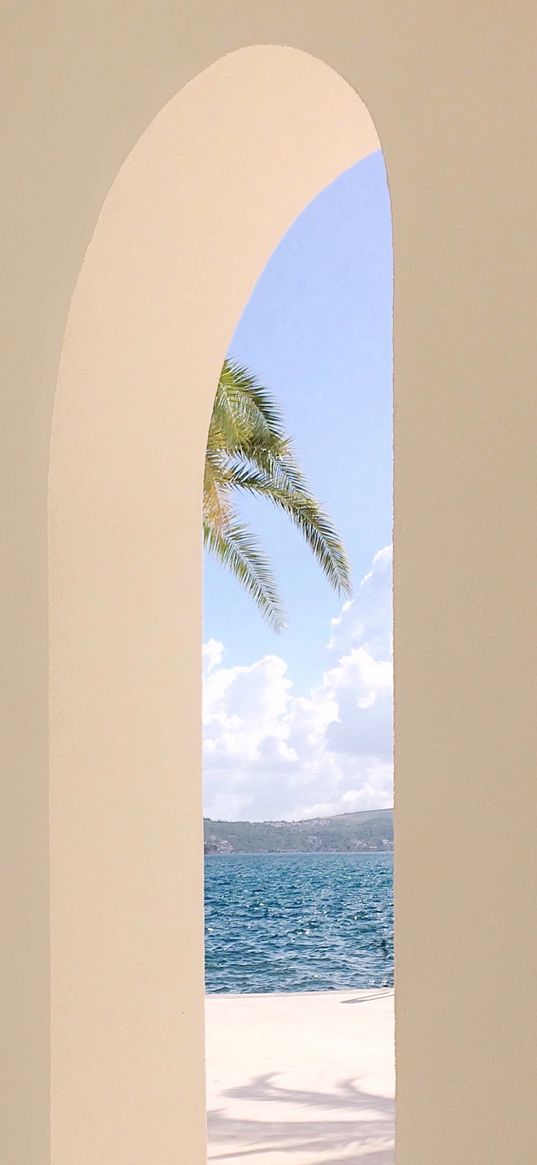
(318, 332)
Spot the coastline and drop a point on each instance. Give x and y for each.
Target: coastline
(309, 1074)
(303, 853)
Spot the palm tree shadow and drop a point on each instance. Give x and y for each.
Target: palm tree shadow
(362, 1119)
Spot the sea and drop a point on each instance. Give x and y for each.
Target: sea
(298, 922)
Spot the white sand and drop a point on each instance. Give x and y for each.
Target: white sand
(301, 1079)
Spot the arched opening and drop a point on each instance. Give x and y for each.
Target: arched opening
(298, 733)
(176, 252)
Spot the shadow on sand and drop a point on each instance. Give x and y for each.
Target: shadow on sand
(365, 1128)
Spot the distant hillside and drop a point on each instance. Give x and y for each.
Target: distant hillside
(347, 832)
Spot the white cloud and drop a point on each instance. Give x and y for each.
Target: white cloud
(212, 655)
(269, 753)
(366, 620)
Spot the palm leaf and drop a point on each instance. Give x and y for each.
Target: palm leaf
(236, 548)
(248, 450)
(305, 512)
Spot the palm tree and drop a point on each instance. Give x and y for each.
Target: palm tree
(248, 450)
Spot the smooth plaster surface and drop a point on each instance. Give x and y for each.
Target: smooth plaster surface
(195, 213)
(452, 90)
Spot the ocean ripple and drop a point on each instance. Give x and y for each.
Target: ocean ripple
(298, 922)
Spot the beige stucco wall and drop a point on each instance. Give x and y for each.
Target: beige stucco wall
(191, 220)
(452, 91)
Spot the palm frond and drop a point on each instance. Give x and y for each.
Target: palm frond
(249, 450)
(244, 414)
(305, 512)
(236, 548)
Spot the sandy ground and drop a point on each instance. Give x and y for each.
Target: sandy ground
(301, 1079)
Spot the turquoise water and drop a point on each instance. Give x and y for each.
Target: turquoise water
(298, 922)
